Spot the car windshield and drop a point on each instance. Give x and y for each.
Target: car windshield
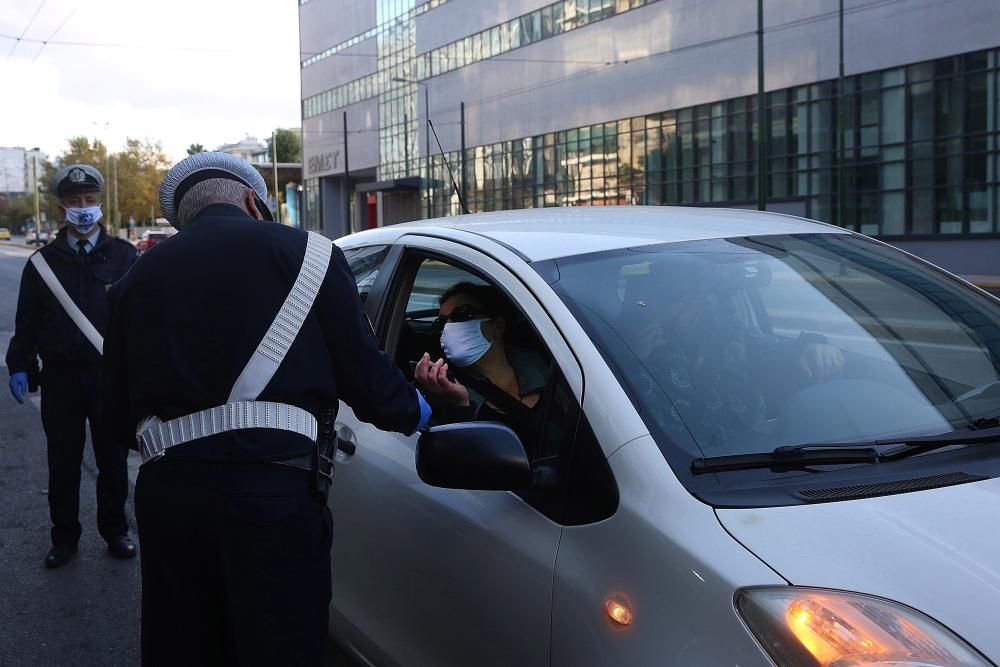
(742, 345)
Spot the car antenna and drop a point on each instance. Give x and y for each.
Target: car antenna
(454, 185)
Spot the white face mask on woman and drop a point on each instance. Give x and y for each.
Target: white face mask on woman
(464, 343)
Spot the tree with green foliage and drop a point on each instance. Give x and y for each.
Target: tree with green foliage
(141, 168)
(289, 146)
(195, 148)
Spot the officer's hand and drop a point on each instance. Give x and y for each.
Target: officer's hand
(820, 361)
(19, 386)
(433, 379)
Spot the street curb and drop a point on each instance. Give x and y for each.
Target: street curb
(11, 244)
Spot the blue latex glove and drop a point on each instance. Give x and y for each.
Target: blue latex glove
(425, 414)
(19, 386)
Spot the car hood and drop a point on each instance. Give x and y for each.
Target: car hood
(937, 551)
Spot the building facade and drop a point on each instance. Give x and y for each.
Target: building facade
(598, 102)
(248, 148)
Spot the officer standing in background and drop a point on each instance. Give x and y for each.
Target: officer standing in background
(259, 332)
(80, 266)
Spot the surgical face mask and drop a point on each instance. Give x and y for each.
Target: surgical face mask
(83, 219)
(464, 343)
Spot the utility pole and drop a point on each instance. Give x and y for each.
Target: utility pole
(348, 226)
(118, 214)
(841, 155)
(462, 161)
(761, 114)
(34, 175)
(427, 144)
(406, 141)
(274, 163)
(110, 191)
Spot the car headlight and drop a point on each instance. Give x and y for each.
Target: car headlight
(813, 627)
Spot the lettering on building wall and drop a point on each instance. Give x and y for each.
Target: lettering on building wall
(323, 162)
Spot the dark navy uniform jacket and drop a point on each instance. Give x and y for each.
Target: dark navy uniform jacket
(190, 314)
(42, 327)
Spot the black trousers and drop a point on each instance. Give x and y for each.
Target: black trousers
(70, 399)
(235, 565)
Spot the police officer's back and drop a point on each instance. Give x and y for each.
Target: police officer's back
(235, 546)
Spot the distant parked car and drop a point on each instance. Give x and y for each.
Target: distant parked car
(149, 239)
(4, 234)
(38, 238)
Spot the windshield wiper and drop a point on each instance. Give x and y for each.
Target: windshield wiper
(787, 457)
(980, 432)
(984, 423)
(984, 431)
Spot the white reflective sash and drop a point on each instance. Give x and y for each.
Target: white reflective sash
(274, 346)
(242, 410)
(74, 312)
(156, 436)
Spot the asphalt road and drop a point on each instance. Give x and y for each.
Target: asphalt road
(87, 612)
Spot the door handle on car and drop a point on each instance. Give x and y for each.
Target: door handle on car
(346, 442)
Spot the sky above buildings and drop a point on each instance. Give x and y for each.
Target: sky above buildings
(179, 72)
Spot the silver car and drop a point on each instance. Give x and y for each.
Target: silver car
(761, 441)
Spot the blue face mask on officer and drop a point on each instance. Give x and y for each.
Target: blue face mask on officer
(84, 219)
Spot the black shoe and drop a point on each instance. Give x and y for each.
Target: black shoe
(59, 555)
(122, 547)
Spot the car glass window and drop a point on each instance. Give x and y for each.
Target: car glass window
(365, 263)
(538, 403)
(743, 345)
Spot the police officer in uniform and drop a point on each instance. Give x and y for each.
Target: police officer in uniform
(85, 261)
(259, 332)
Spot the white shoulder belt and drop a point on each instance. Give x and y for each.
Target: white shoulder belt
(74, 312)
(243, 410)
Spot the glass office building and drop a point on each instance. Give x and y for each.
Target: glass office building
(605, 102)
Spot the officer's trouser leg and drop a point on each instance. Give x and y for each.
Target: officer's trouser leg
(235, 565)
(64, 415)
(112, 475)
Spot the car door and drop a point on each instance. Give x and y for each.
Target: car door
(430, 576)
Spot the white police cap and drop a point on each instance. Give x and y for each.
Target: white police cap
(76, 178)
(202, 166)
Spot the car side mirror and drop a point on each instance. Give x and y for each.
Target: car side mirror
(482, 456)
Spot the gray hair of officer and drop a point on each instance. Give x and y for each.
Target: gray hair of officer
(204, 179)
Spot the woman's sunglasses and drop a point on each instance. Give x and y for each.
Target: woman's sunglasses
(459, 314)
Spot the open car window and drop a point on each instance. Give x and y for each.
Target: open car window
(549, 430)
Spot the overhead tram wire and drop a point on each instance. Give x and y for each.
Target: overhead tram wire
(54, 33)
(31, 21)
(848, 11)
(111, 45)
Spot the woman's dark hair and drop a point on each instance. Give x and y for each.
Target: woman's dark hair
(489, 298)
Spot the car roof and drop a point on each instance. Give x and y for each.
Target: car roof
(546, 233)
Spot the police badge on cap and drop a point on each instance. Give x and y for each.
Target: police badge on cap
(76, 178)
